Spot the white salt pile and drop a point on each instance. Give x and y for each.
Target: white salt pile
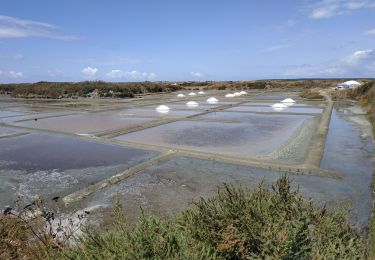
(279, 106)
(288, 100)
(192, 94)
(201, 93)
(180, 95)
(192, 104)
(229, 95)
(162, 109)
(243, 92)
(237, 94)
(212, 100)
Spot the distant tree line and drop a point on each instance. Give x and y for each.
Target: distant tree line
(44, 89)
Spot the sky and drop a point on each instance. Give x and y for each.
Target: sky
(185, 40)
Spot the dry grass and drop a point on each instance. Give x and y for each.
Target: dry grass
(311, 94)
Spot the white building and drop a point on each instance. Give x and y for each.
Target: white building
(348, 84)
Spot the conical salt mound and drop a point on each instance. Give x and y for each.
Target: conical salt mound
(288, 100)
(229, 95)
(162, 109)
(237, 94)
(243, 92)
(212, 100)
(180, 95)
(192, 94)
(201, 93)
(192, 104)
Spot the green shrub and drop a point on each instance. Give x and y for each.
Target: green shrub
(235, 224)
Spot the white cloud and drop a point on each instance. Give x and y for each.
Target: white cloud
(325, 11)
(89, 72)
(12, 27)
(11, 74)
(151, 76)
(115, 74)
(133, 74)
(197, 74)
(360, 56)
(359, 63)
(370, 32)
(330, 8)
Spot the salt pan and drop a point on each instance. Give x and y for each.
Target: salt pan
(279, 107)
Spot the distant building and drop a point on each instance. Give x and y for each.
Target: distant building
(348, 84)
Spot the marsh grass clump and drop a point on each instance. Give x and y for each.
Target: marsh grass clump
(311, 94)
(237, 223)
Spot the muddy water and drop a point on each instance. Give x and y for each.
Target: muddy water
(44, 165)
(152, 112)
(262, 104)
(252, 135)
(9, 113)
(171, 186)
(83, 123)
(290, 109)
(352, 156)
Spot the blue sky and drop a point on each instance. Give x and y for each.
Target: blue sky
(175, 40)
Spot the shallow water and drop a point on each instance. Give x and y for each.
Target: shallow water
(185, 179)
(352, 156)
(290, 109)
(277, 96)
(254, 135)
(43, 165)
(6, 131)
(261, 104)
(9, 113)
(84, 123)
(251, 118)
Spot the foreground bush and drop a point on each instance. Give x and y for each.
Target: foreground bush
(235, 224)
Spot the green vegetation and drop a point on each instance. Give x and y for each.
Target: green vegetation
(261, 223)
(56, 90)
(84, 89)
